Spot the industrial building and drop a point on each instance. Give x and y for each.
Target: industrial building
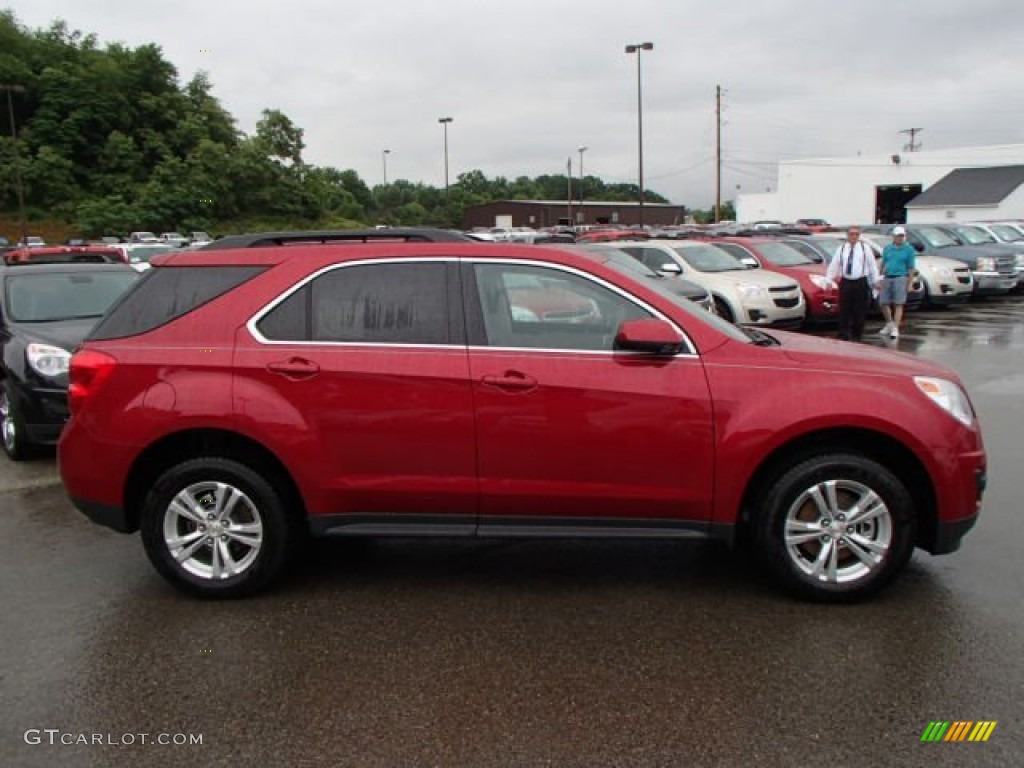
(922, 186)
(551, 213)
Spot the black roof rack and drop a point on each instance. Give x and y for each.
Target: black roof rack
(268, 239)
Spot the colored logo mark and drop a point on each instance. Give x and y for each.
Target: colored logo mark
(958, 730)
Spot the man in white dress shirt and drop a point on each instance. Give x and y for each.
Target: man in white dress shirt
(854, 265)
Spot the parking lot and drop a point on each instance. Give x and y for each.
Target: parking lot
(561, 653)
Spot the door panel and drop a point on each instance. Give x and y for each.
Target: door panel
(597, 434)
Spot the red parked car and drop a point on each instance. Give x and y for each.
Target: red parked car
(241, 396)
(821, 295)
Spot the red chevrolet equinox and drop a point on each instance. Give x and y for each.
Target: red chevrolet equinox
(241, 397)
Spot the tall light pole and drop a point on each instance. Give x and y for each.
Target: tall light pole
(17, 158)
(581, 150)
(444, 121)
(640, 118)
(384, 158)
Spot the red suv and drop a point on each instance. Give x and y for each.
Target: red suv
(239, 397)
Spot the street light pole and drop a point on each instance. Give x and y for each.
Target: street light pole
(640, 119)
(581, 150)
(444, 121)
(17, 158)
(384, 157)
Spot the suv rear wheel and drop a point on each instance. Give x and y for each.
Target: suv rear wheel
(216, 528)
(837, 527)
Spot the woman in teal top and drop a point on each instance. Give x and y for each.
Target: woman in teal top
(898, 266)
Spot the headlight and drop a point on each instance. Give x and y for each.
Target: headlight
(986, 264)
(1020, 260)
(948, 396)
(823, 282)
(47, 360)
(751, 291)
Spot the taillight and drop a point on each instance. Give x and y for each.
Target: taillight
(89, 369)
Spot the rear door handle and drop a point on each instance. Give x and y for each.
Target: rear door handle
(294, 368)
(512, 381)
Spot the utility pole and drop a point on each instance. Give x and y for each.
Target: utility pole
(912, 147)
(568, 177)
(718, 153)
(17, 159)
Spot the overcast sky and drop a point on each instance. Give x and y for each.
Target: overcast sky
(529, 81)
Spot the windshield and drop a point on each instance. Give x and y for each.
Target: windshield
(47, 298)
(709, 258)
(936, 238)
(974, 235)
(1008, 234)
(782, 255)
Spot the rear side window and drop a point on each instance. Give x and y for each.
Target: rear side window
(383, 303)
(167, 293)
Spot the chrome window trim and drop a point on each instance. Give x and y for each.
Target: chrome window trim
(254, 331)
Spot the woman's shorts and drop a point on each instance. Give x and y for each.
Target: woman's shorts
(894, 291)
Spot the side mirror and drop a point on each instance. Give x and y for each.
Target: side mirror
(917, 247)
(653, 336)
(750, 262)
(670, 268)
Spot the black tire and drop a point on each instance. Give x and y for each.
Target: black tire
(257, 504)
(14, 435)
(787, 504)
(722, 308)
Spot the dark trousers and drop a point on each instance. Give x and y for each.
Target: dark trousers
(854, 298)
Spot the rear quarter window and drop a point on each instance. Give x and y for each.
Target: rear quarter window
(167, 293)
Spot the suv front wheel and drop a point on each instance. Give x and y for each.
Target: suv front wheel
(214, 527)
(837, 527)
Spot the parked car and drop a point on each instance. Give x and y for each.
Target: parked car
(61, 254)
(138, 255)
(598, 235)
(944, 282)
(741, 295)
(821, 294)
(45, 312)
(237, 398)
(608, 253)
(198, 238)
(143, 237)
(32, 241)
(173, 239)
(992, 270)
(969, 234)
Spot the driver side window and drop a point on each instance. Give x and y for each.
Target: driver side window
(542, 308)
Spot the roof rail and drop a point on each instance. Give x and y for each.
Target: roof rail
(268, 239)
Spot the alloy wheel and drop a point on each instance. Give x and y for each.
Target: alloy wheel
(838, 531)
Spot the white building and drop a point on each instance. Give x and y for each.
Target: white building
(878, 188)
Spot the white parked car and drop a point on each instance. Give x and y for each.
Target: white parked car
(175, 239)
(741, 295)
(143, 237)
(198, 238)
(138, 255)
(32, 241)
(946, 281)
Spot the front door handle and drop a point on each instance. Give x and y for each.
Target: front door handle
(294, 368)
(511, 381)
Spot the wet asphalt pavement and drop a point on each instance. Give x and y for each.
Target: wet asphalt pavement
(440, 653)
